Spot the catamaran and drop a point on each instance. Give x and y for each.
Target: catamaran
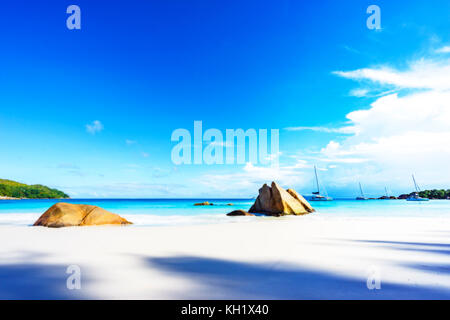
(415, 195)
(316, 195)
(362, 196)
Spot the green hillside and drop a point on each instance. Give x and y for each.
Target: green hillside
(15, 189)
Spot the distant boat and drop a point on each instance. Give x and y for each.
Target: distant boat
(386, 195)
(362, 196)
(316, 195)
(415, 195)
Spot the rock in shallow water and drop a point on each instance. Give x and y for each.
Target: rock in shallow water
(276, 201)
(238, 213)
(69, 215)
(203, 204)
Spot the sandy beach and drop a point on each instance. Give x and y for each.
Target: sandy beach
(289, 258)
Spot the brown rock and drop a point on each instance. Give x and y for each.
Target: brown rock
(238, 213)
(203, 204)
(276, 201)
(302, 200)
(68, 215)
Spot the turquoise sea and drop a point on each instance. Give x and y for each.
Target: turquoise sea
(164, 212)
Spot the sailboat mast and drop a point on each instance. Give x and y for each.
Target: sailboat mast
(360, 189)
(415, 184)
(317, 180)
(387, 194)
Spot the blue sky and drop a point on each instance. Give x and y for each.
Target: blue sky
(145, 68)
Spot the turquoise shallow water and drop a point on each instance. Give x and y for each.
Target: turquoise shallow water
(130, 206)
(182, 211)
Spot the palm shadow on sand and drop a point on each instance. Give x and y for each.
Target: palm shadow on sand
(421, 247)
(36, 282)
(222, 279)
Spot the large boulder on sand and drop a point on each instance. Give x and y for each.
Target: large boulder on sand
(276, 201)
(68, 215)
(302, 200)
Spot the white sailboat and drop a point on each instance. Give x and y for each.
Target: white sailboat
(415, 195)
(316, 195)
(386, 194)
(362, 196)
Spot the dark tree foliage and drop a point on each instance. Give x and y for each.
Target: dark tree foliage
(435, 194)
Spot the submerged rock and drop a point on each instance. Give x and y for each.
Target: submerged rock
(239, 213)
(69, 215)
(276, 201)
(206, 203)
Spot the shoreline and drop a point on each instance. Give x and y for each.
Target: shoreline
(9, 198)
(201, 199)
(12, 198)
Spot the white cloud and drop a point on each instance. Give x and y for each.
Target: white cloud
(130, 142)
(344, 130)
(94, 127)
(405, 130)
(252, 177)
(359, 92)
(129, 190)
(350, 49)
(398, 134)
(445, 49)
(421, 74)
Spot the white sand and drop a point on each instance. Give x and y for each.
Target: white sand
(289, 258)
